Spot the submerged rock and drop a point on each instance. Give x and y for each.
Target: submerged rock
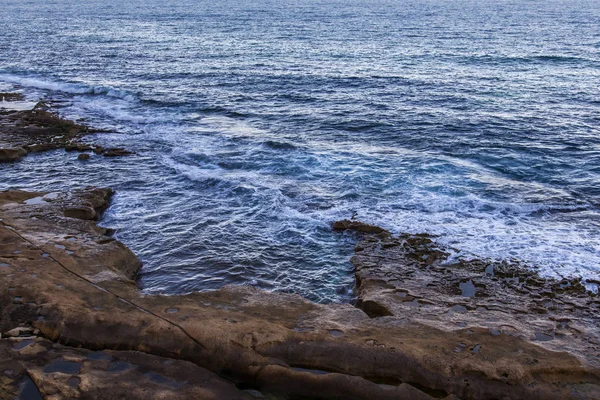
(114, 152)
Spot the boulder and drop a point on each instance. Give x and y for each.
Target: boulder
(11, 154)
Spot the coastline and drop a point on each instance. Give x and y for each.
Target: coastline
(69, 296)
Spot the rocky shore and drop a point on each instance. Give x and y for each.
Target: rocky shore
(37, 129)
(74, 324)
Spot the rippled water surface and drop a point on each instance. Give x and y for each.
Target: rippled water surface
(257, 123)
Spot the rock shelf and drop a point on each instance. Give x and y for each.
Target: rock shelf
(74, 324)
(27, 131)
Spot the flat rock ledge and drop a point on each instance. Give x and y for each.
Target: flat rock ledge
(27, 131)
(74, 324)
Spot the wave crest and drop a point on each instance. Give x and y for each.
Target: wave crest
(67, 87)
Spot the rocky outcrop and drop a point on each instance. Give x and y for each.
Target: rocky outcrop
(411, 276)
(356, 226)
(7, 96)
(68, 288)
(10, 154)
(23, 132)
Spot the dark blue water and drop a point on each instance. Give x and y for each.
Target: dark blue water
(257, 123)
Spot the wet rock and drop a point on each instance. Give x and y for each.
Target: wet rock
(507, 297)
(83, 156)
(357, 226)
(6, 96)
(112, 151)
(37, 130)
(116, 152)
(12, 154)
(81, 212)
(76, 146)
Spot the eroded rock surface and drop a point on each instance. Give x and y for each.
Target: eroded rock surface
(70, 286)
(57, 371)
(409, 276)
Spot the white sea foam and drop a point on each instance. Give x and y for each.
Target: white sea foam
(116, 109)
(502, 231)
(66, 87)
(16, 105)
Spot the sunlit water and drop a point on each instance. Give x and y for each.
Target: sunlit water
(258, 123)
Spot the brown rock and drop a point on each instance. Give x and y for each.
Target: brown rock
(61, 372)
(83, 156)
(12, 154)
(19, 331)
(81, 212)
(5, 96)
(357, 226)
(17, 196)
(76, 146)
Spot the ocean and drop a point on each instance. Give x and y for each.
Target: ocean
(258, 123)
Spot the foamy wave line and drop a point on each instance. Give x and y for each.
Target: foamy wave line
(65, 87)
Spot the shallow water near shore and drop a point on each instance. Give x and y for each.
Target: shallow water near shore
(258, 124)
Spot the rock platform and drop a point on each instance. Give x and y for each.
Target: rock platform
(74, 324)
(28, 131)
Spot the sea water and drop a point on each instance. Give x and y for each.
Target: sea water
(258, 123)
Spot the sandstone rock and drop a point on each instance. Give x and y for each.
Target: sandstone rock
(62, 372)
(81, 212)
(409, 276)
(116, 152)
(280, 344)
(19, 331)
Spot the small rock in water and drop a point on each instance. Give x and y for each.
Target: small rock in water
(83, 156)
